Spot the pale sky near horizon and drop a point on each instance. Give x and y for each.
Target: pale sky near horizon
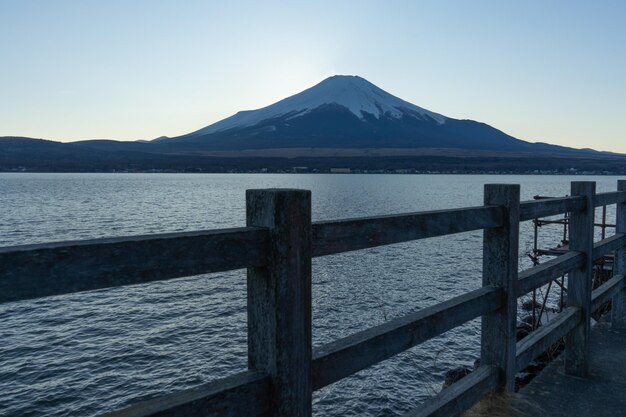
(551, 71)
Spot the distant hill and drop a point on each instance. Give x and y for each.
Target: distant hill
(19, 153)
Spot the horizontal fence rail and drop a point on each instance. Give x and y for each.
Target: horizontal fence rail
(67, 267)
(33, 271)
(277, 248)
(606, 199)
(608, 245)
(606, 291)
(351, 354)
(542, 274)
(549, 207)
(338, 236)
(540, 340)
(247, 394)
(461, 395)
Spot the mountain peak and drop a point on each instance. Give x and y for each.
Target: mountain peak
(345, 79)
(352, 92)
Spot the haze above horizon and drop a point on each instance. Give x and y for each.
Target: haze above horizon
(129, 70)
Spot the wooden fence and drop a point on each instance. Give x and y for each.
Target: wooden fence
(277, 246)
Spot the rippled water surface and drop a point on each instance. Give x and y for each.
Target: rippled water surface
(88, 353)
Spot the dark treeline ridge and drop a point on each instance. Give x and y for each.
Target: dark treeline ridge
(301, 164)
(30, 155)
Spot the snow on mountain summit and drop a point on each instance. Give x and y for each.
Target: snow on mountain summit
(356, 94)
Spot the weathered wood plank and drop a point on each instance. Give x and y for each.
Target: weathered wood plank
(351, 354)
(541, 339)
(618, 308)
(533, 209)
(579, 281)
(500, 258)
(608, 245)
(461, 395)
(243, 394)
(279, 299)
(606, 291)
(33, 271)
(542, 274)
(606, 199)
(338, 236)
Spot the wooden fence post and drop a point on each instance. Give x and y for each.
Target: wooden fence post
(618, 309)
(279, 299)
(500, 259)
(579, 281)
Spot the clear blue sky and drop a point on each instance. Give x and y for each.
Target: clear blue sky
(551, 71)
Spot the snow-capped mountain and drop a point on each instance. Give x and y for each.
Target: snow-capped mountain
(354, 93)
(345, 112)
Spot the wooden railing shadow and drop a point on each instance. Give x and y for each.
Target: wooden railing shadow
(277, 246)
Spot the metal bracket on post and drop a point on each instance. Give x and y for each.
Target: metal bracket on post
(500, 259)
(579, 281)
(279, 299)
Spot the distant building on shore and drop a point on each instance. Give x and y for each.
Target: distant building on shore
(340, 170)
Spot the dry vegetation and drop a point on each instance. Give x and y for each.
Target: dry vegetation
(512, 405)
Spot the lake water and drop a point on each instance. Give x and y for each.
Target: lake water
(87, 353)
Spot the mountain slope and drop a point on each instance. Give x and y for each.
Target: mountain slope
(347, 112)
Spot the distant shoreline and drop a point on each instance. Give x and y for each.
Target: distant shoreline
(33, 155)
(584, 173)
